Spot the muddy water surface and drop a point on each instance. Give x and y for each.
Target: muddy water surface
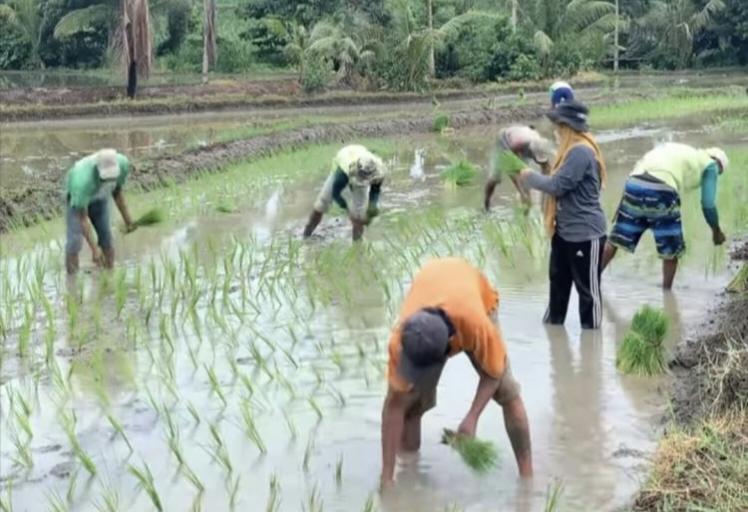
(293, 336)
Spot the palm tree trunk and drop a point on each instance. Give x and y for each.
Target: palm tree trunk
(514, 15)
(209, 37)
(137, 50)
(432, 60)
(616, 52)
(130, 58)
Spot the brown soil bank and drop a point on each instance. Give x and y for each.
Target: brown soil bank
(71, 95)
(42, 198)
(702, 460)
(64, 103)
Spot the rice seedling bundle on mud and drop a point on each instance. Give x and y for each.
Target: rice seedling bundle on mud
(480, 455)
(641, 352)
(226, 206)
(460, 174)
(441, 122)
(152, 216)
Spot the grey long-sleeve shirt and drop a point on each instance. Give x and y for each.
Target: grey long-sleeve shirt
(576, 187)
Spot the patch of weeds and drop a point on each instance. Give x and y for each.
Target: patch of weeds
(739, 283)
(704, 467)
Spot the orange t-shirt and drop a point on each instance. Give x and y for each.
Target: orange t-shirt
(468, 299)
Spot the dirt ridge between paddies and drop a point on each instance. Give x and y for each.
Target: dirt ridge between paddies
(701, 462)
(51, 104)
(42, 199)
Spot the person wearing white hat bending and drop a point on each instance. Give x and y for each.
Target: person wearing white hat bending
(652, 200)
(90, 183)
(356, 168)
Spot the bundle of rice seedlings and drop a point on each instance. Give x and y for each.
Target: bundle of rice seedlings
(739, 283)
(226, 206)
(152, 216)
(480, 455)
(640, 352)
(508, 163)
(460, 174)
(441, 121)
(651, 324)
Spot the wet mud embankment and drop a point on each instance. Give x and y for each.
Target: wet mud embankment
(702, 458)
(711, 366)
(21, 105)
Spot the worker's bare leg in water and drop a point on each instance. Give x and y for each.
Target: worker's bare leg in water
(314, 219)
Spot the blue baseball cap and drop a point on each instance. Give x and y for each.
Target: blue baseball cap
(425, 342)
(560, 92)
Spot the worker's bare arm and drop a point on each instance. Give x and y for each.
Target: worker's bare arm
(393, 421)
(487, 387)
(119, 200)
(524, 194)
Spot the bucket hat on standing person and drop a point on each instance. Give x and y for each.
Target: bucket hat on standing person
(571, 113)
(425, 345)
(107, 165)
(720, 156)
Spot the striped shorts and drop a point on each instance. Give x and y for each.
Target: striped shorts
(649, 205)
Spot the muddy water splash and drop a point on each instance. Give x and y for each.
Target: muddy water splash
(416, 170)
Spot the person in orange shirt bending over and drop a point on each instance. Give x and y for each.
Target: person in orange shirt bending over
(448, 310)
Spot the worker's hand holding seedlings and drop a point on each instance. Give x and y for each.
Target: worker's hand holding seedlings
(448, 310)
(516, 147)
(718, 237)
(361, 172)
(527, 144)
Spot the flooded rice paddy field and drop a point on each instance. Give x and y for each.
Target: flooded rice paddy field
(228, 365)
(32, 149)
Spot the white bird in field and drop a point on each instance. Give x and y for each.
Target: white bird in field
(416, 170)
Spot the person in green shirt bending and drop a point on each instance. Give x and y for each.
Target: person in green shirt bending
(356, 168)
(90, 183)
(652, 200)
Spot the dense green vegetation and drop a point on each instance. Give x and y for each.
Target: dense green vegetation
(394, 44)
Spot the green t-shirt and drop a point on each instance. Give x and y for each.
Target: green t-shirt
(84, 186)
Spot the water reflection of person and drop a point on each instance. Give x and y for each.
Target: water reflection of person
(577, 402)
